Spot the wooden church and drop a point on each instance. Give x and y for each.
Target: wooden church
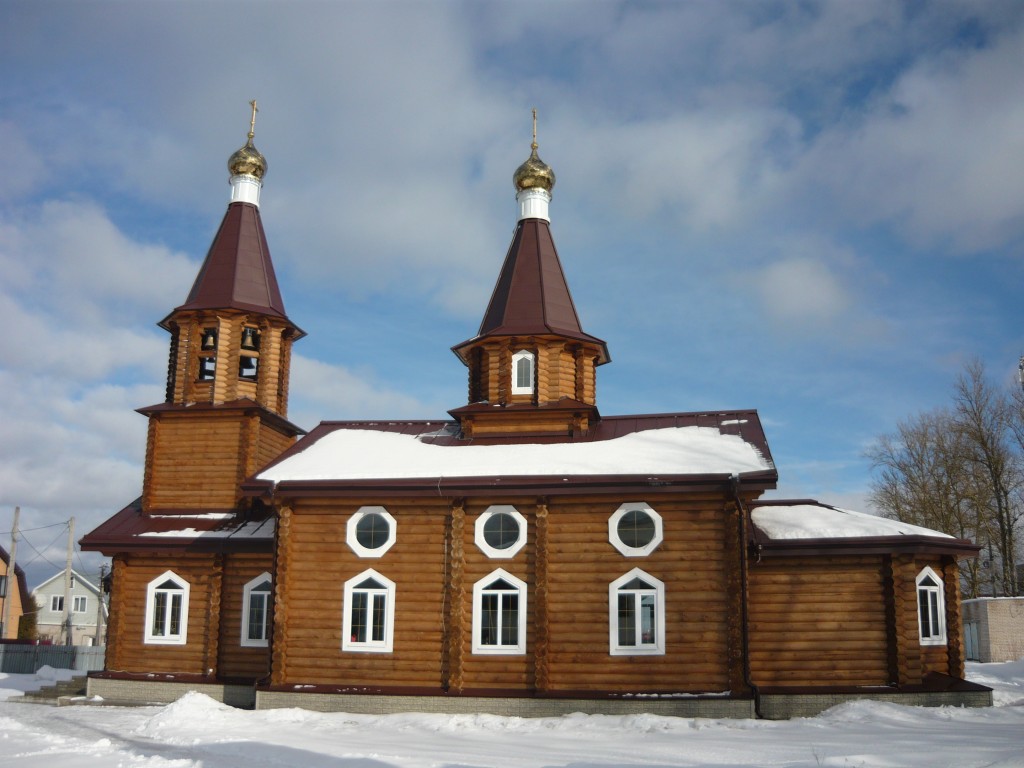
(527, 556)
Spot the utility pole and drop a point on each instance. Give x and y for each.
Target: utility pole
(11, 575)
(99, 606)
(66, 616)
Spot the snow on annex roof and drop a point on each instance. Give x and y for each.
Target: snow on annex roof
(820, 521)
(355, 451)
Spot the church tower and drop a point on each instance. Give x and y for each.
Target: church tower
(226, 403)
(532, 368)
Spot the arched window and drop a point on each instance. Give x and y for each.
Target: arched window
(369, 613)
(256, 604)
(523, 364)
(499, 614)
(636, 609)
(167, 610)
(931, 608)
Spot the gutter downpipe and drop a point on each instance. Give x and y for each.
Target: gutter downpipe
(734, 483)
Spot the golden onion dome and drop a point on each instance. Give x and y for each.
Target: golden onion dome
(248, 161)
(534, 173)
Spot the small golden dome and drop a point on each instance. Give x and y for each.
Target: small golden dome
(534, 173)
(248, 161)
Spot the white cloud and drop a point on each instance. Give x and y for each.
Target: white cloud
(941, 155)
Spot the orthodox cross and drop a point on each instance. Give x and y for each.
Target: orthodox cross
(252, 123)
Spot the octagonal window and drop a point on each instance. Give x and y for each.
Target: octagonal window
(371, 531)
(635, 529)
(501, 531)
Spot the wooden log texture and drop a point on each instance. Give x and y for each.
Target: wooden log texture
(809, 615)
(234, 659)
(435, 562)
(132, 575)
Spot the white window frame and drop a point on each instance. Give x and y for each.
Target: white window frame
(387, 591)
(480, 590)
(655, 648)
(247, 592)
(613, 529)
(481, 541)
(77, 600)
(936, 602)
(153, 590)
(353, 541)
(57, 603)
(524, 354)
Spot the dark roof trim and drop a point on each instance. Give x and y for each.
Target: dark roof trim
(246, 405)
(544, 485)
(861, 545)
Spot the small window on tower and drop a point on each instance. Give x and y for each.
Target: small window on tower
(248, 367)
(249, 360)
(523, 372)
(208, 354)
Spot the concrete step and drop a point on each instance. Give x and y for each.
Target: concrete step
(58, 694)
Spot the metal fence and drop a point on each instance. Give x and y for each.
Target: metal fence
(28, 659)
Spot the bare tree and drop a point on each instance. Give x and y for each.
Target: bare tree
(960, 470)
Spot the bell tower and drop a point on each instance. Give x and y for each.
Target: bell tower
(226, 403)
(532, 368)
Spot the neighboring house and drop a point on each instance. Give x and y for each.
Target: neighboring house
(13, 592)
(86, 603)
(529, 555)
(994, 628)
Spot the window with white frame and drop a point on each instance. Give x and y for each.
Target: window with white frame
(500, 532)
(81, 604)
(635, 529)
(368, 613)
(931, 608)
(523, 365)
(371, 531)
(256, 603)
(167, 610)
(499, 614)
(56, 603)
(636, 610)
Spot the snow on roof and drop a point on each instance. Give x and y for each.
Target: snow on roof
(817, 521)
(366, 454)
(263, 529)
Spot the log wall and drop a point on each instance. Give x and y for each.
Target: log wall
(816, 618)
(126, 649)
(568, 565)
(196, 460)
(236, 660)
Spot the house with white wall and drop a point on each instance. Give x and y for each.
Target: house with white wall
(87, 610)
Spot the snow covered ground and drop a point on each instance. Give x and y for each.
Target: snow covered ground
(196, 732)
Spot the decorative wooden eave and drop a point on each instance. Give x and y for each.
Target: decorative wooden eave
(238, 272)
(531, 296)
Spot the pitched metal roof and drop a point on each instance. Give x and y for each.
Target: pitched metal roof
(519, 475)
(531, 296)
(190, 530)
(238, 272)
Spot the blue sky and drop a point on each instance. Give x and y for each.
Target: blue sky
(815, 209)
